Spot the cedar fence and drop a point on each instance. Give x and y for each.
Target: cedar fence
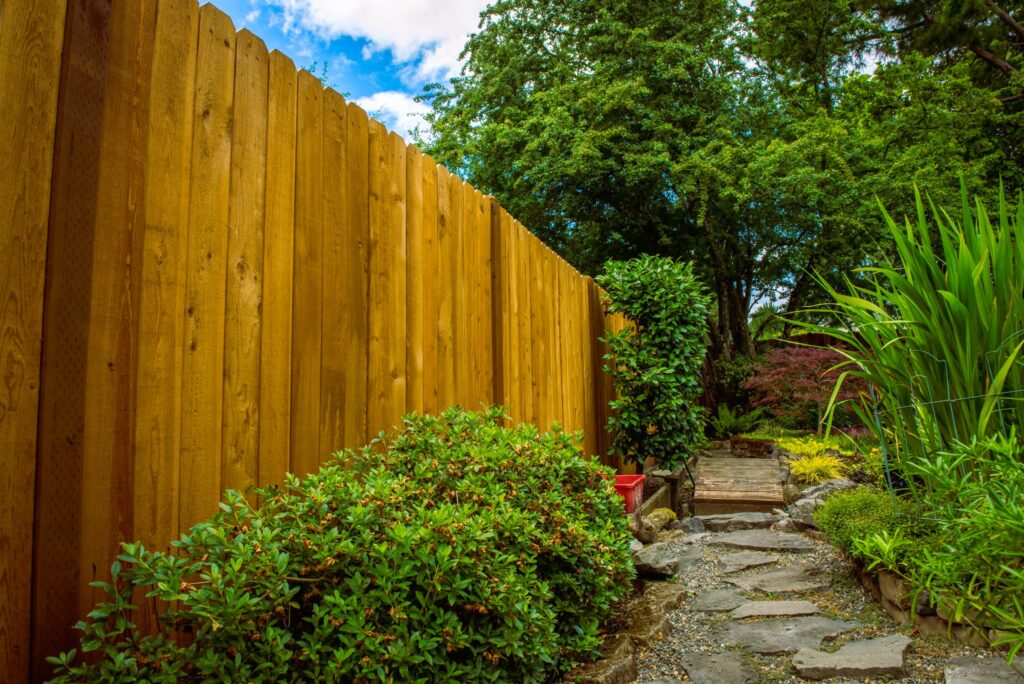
(214, 271)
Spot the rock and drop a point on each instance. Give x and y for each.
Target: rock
(771, 637)
(718, 600)
(894, 588)
(815, 534)
(643, 531)
(616, 665)
(657, 561)
(664, 596)
(828, 487)
(804, 507)
(787, 525)
(774, 609)
(646, 629)
(738, 521)
(857, 659)
(720, 668)
(784, 473)
(671, 535)
(660, 517)
(636, 545)
(743, 560)
(932, 625)
(765, 540)
(991, 670)
(793, 580)
(790, 493)
(690, 525)
(662, 680)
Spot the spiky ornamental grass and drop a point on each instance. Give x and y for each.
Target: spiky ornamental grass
(937, 331)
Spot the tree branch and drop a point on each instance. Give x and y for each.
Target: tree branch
(1001, 64)
(1007, 19)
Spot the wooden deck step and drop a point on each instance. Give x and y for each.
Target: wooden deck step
(736, 485)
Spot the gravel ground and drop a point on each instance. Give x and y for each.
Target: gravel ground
(846, 599)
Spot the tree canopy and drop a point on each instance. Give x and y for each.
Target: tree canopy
(752, 140)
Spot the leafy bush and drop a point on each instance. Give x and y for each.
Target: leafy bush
(656, 363)
(796, 383)
(979, 569)
(936, 331)
(461, 550)
(816, 469)
(731, 422)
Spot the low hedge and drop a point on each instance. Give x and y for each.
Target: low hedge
(460, 550)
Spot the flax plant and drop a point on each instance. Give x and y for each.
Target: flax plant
(936, 331)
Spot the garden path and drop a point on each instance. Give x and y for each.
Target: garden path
(768, 606)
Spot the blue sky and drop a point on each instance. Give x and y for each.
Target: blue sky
(381, 52)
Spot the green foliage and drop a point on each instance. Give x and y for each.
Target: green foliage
(461, 550)
(731, 422)
(979, 571)
(936, 331)
(856, 513)
(817, 468)
(656, 362)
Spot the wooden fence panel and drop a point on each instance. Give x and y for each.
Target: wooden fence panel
(449, 207)
(527, 387)
(307, 276)
(278, 263)
(387, 379)
(31, 36)
(65, 337)
(429, 286)
(337, 308)
(414, 280)
(202, 389)
(243, 301)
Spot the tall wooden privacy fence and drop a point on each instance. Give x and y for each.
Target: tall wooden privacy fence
(214, 271)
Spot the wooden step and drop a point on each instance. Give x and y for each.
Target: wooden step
(737, 485)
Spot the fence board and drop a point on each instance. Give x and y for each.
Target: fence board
(528, 386)
(336, 305)
(429, 286)
(278, 262)
(58, 490)
(449, 221)
(161, 332)
(243, 299)
(414, 316)
(307, 276)
(357, 277)
(202, 389)
(107, 458)
(31, 43)
(387, 379)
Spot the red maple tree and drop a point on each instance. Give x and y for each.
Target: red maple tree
(796, 383)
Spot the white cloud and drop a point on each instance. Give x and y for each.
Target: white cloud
(429, 33)
(397, 110)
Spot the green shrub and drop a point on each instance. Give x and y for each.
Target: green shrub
(656, 363)
(461, 550)
(853, 513)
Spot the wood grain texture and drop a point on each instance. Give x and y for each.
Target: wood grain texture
(356, 278)
(110, 370)
(31, 43)
(414, 310)
(58, 487)
(387, 370)
(244, 295)
(161, 326)
(449, 219)
(527, 387)
(337, 307)
(203, 381)
(307, 276)
(430, 295)
(278, 265)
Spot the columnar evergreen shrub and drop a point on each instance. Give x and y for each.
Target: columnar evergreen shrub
(656, 362)
(461, 550)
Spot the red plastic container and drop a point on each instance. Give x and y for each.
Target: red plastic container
(631, 487)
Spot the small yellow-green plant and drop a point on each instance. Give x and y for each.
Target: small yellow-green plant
(816, 469)
(812, 445)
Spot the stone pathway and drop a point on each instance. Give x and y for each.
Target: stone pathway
(768, 606)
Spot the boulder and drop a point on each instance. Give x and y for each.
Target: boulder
(828, 487)
(790, 493)
(689, 525)
(658, 561)
(857, 659)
